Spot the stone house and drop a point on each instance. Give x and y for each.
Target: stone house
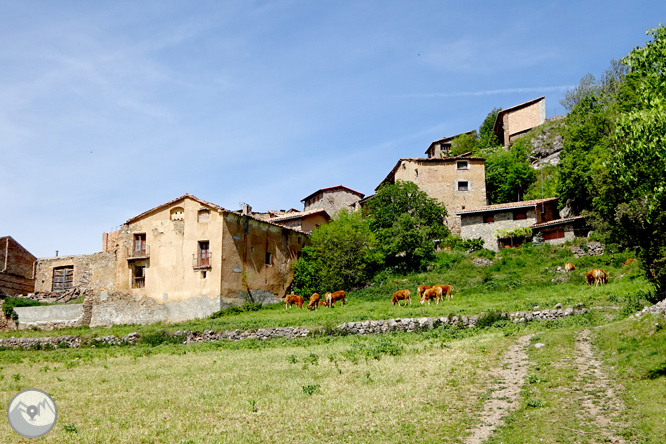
(17, 268)
(58, 274)
(457, 182)
(332, 199)
(540, 215)
(511, 123)
(442, 147)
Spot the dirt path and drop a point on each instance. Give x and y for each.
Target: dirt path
(600, 404)
(510, 375)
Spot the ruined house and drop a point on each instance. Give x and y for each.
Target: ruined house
(511, 123)
(457, 182)
(17, 268)
(539, 215)
(442, 147)
(332, 199)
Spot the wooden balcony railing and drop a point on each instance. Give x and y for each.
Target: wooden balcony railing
(142, 252)
(201, 260)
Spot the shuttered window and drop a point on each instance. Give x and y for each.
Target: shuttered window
(63, 278)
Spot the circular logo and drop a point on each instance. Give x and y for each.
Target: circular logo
(32, 413)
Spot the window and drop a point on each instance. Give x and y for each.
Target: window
(446, 147)
(556, 234)
(177, 213)
(489, 219)
(462, 165)
(62, 278)
(463, 186)
(519, 215)
(203, 255)
(268, 258)
(203, 216)
(138, 276)
(139, 245)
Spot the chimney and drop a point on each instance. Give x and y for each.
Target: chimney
(246, 209)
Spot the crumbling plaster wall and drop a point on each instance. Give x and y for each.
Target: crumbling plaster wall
(331, 201)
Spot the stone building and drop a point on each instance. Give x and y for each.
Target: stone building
(17, 268)
(457, 182)
(332, 199)
(511, 123)
(95, 271)
(540, 215)
(442, 147)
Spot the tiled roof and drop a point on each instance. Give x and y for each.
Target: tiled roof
(208, 204)
(508, 206)
(299, 215)
(558, 221)
(333, 188)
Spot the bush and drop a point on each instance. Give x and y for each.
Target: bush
(159, 337)
(489, 319)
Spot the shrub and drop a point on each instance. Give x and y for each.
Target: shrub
(489, 319)
(159, 337)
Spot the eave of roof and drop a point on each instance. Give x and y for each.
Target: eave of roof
(507, 206)
(301, 215)
(514, 108)
(332, 188)
(465, 156)
(558, 221)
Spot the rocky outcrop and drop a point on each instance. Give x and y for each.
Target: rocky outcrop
(592, 248)
(546, 147)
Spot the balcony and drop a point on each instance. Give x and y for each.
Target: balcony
(139, 252)
(202, 260)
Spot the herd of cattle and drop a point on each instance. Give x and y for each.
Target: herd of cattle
(426, 292)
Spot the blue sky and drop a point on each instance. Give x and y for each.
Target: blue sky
(108, 109)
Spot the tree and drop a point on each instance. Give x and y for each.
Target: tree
(508, 173)
(465, 143)
(342, 255)
(634, 204)
(406, 222)
(487, 136)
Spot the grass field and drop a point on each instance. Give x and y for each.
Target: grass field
(401, 387)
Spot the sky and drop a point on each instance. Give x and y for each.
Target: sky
(110, 108)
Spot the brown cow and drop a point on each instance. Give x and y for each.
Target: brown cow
(402, 295)
(293, 299)
(322, 303)
(569, 266)
(314, 302)
(629, 261)
(597, 275)
(434, 292)
(337, 296)
(446, 290)
(420, 289)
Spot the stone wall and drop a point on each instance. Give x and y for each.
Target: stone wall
(48, 317)
(16, 268)
(473, 226)
(94, 271)
(331, 201)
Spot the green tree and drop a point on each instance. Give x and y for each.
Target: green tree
(508, 173)
(342, 255)
(633, 204)
(465, 143)
(487, 136)
(406, 222)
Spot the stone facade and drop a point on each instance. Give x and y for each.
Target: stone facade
(442, 147)
(17, 268)
(95, 271)
(305, 221)
(513, 122)
(457, 182)
(331, 199)
(484, 222)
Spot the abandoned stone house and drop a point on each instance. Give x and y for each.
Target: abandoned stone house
(17, 268)
(540, 215)
(457, 182)
(442, 147)
(184, 259)
(305, 221)
(331, 199)
(511, 123)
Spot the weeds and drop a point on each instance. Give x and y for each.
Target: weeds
(310, 389)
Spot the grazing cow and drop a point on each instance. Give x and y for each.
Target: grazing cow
(629, 261)
(328, 300)
(446, 290)
(402, 295)
(338, 296)
(314, 302)
(569, 267)
(420, 289)
(322, 303)
(597, 275)
(434, 292)
(293, 299)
